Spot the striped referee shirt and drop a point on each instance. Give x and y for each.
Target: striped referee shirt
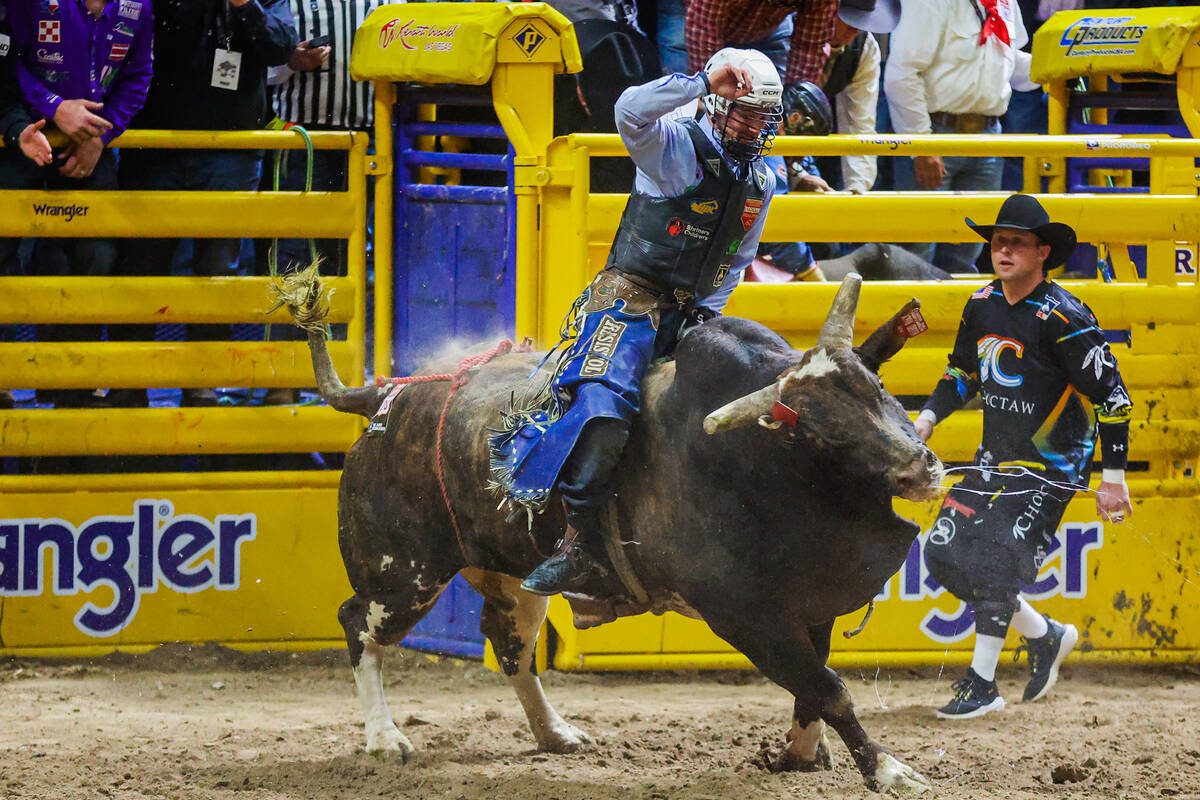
(327, 97)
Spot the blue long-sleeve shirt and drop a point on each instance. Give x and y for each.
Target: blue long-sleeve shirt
(67, 54)
(666, 159)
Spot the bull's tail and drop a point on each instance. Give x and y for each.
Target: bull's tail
(301, 292)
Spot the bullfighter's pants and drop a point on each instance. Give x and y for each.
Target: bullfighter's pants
(990, 537)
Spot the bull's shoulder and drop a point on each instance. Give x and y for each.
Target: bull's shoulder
(729, 353)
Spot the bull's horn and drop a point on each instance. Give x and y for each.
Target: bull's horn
(838, 330)
(743, 411)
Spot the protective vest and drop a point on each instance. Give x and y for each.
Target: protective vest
(689, 242)
(844, 66)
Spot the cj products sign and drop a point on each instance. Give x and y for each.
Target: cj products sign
(128, 555)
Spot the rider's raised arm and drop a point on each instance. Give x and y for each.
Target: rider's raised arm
(659, 145)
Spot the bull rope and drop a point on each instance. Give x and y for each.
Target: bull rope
(457, 381)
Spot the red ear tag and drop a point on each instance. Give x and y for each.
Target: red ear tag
(785, 414)
(911, 324)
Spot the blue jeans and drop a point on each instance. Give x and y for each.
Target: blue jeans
(1026, 114)
(671, 48)
(161, 170)
(963, 174)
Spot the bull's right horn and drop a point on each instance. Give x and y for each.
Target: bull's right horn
(838, 330)
(743, 411)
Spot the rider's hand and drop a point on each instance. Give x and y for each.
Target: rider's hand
(730, 82)
(924, 428)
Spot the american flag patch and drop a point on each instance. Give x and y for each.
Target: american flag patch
(48, 31)
(983, 294)
(118, 52)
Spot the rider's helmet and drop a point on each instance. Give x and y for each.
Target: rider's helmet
(749, 124)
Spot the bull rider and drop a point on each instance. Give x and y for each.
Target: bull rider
(691, 226)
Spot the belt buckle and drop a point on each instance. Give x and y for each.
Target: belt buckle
(970, 123)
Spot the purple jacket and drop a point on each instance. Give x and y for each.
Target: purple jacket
(67, 54)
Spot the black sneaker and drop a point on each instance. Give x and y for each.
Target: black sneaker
(1045, 655)
(973, 697)
(560, 572)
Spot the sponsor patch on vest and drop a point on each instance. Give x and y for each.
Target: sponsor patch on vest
(760, 177)
(714, 165)
(750, 212)
(675, 227)
(604, 344)
(705, 206)
(696, 232)
(722, 271)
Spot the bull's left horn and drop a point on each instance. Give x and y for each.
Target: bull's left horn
(838, 330)
(743, 411)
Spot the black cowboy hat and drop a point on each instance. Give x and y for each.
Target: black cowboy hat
(876, 16)
(1023, 212)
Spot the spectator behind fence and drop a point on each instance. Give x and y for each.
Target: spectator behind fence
(85, 67)
(624, 11)
(949, 70)
(22, 137)
(794, 35)
(314, 90)
(851, 82)
(211, 59)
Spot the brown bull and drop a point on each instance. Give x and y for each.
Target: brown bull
(766, 531)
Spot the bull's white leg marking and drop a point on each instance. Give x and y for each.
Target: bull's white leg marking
(384, 739)
(804, 741)
(897, 778)
(385, 562)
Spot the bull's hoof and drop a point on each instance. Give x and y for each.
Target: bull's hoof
(787, 761)
(389, 744)
(562, 737)
(892, 777)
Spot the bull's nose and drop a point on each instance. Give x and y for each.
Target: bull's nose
(923, 478)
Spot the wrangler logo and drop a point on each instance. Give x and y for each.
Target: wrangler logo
(604, 344)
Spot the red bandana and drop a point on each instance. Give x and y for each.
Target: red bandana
(994, 24)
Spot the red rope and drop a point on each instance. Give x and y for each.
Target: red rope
(458, 380)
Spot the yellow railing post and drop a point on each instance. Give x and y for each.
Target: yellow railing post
(383, 168)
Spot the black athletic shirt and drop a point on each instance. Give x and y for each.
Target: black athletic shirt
(1048, 381)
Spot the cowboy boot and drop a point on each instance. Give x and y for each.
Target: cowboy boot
(567, 569)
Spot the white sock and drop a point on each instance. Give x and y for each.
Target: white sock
(987, 655)
(1028, 622)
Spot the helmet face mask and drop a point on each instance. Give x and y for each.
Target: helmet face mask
(748, 125)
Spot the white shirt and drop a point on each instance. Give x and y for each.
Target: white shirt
(935, 62)
(856, 116)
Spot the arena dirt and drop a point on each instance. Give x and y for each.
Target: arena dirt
(211, 723)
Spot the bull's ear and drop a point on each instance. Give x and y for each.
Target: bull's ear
(886, 341)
